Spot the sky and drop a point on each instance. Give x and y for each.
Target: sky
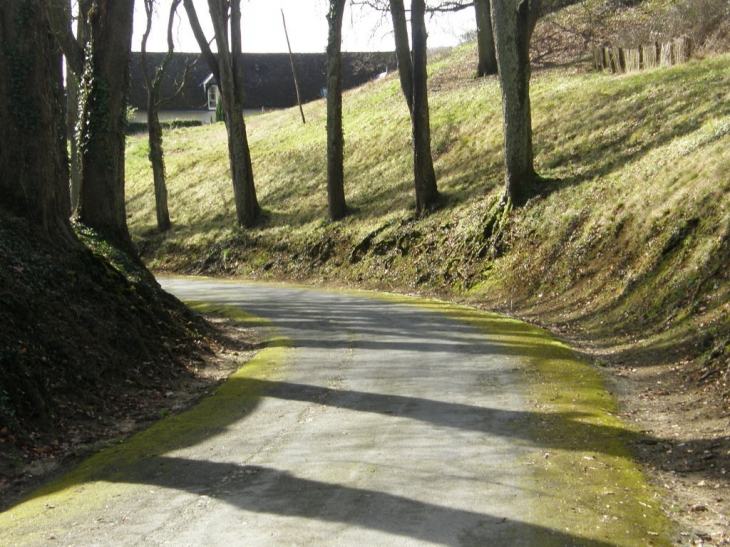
(263, 31)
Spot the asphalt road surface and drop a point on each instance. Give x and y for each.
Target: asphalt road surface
(383, 424)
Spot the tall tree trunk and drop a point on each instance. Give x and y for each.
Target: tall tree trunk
(154, 129)
(335, 141)
(105, 85)
(72, 87)
(424, 174)
(413, 80)
(228, 72)
(59, 14)
(402, 50)
(157, 161)
(34, 162)
(487, 64)
(513, 22)
(72, 118)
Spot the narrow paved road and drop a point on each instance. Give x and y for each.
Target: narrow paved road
(394, 426)
(385, 424)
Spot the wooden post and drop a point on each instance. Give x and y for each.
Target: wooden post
(597, 58)
(633, 60)
(616, 57)
(682, 49)
(650, 56)
(293, 71)
(666, 55)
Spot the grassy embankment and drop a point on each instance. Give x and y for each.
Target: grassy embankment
(629, 243)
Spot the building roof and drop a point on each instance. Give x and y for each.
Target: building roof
(268, 81)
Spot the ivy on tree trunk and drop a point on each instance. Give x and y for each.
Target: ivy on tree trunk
(102, 126)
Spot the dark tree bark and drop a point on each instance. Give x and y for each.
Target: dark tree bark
(72, 118)
(104, 87)
(228, 72)
(413, 79)
(513, 22)
(425, 176)
(34, 162)
(487, 64)
(83, 33)
(335, 141)
(154, 129)
(402, 50)
(210, 58)
(59, 14)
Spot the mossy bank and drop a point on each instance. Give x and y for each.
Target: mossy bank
(630, 236)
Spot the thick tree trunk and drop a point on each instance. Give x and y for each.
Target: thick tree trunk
(335, 141)
(424, 174)
(105, 85)
(487, 64)
(513, 23)
(34, 162)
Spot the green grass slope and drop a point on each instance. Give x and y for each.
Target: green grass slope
(631, 238)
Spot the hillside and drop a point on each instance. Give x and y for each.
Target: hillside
(91, 350)
(623, 252)
(631, 231)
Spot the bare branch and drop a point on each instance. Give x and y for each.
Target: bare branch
(148, 8)
(180, 84)
(450, 6)
(58, 14)
(203, 43)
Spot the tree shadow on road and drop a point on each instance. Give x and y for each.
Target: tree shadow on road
(277, 492)
(274, 492)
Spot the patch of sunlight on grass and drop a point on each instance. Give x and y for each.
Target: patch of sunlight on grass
(631, 159)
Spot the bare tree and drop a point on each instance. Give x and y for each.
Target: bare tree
(413, 79)
(487, 63)
(60, 16)
(154, 101)
(402, 50)
(513, 22)
(335, 141)
(228, 72)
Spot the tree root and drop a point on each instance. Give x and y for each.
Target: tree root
(495, 225)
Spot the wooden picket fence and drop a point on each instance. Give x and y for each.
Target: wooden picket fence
(622, 60)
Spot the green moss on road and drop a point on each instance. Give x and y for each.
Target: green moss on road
(83, 492)
(587, 482)
(587, 485)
